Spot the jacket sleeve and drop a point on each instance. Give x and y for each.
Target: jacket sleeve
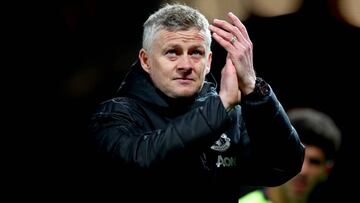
(118, 131)
(277, 153)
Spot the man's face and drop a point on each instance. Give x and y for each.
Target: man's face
(315, 169)
(178, 62)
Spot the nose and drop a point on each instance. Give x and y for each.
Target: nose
(185, 64)
(305, 167)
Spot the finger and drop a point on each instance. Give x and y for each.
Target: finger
(227, 30)
(224, 42)
(237, 23)
(227, 35)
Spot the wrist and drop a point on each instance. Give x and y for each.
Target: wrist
(230, 108)
(249, 88)
(260, 90)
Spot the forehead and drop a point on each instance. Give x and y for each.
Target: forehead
(314, 151)
(191, 35)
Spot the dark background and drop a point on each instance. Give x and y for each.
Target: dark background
(70, 55)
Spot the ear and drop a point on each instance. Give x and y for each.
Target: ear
(208, 65)
(329, 165)
(143, 57)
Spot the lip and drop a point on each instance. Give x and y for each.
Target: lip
(181, 78)
(299, 185)
(184, 80)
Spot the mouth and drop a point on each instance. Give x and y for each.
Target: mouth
(184, 80)
(299, 185)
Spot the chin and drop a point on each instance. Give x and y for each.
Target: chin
(179, 96)
(185, 93)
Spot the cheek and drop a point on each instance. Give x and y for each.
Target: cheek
(157, 69)
(160, 76)
(203, 70)
(207, 69)
(157, 76)
(316, 173)
(322, 175)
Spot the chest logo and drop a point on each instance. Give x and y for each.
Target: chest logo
(222, 144)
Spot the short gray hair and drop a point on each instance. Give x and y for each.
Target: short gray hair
(174, 17)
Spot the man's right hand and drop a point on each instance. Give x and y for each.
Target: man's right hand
(229, 91)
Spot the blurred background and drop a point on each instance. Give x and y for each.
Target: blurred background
(71, 55)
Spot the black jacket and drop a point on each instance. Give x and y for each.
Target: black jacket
(156, 149)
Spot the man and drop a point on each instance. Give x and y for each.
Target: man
(170, 137)
(322, 140)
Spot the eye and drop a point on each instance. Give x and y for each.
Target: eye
(315, 161)
(197, 53)
(171, 52)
